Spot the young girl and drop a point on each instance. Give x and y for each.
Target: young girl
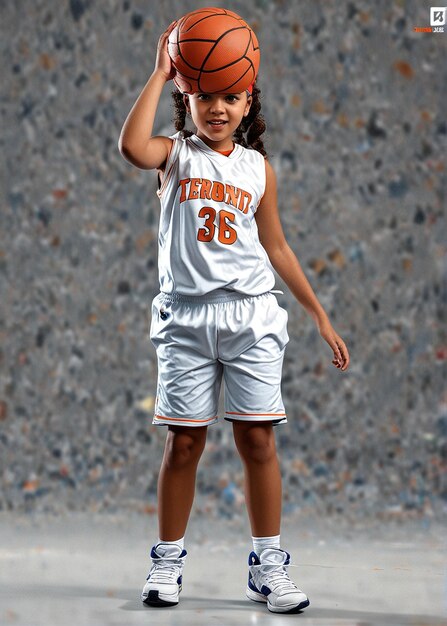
(216, 315)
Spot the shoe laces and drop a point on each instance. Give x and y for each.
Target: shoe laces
(165, 571)
(277, 577)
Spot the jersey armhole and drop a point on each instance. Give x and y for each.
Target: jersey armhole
(164, 176)
(264, 159)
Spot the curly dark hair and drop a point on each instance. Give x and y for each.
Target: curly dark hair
(252, 126)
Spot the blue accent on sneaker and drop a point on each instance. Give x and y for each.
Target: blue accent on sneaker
(251, 584)
(287, 561)
(154, 555)
(253, 559)
(265, 590)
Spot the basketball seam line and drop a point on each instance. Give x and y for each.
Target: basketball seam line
(210, 15)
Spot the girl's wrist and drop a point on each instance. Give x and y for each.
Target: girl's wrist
(160, 74)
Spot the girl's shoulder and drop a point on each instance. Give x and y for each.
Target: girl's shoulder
(181, 135)
(177, 141)
(174, 145)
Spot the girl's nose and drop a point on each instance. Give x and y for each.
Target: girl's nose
(217, 105)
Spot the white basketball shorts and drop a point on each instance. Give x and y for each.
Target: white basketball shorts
(199, 338)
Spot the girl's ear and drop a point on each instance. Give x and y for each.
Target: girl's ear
(248, 105)
(186, 102)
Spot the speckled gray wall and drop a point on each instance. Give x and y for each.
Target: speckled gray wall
(352, 97)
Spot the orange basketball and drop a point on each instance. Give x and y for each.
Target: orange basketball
(213, 50)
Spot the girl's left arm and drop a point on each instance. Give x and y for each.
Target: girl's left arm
(285, 262)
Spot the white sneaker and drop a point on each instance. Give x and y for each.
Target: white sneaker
(164, 581)
(268, 581)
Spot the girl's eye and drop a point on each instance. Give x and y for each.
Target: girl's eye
(205, 96)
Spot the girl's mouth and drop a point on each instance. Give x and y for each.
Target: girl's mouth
(217, 124)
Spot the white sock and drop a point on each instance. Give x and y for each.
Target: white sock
(261, 543)
(180, 543)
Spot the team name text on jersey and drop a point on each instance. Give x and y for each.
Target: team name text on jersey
(202, 188)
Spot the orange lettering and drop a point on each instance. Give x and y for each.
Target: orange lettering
(233, 194)
(214, 190)
(217, 192)
(244, 196)
(183, 184)
(194, 188)
(205, 191)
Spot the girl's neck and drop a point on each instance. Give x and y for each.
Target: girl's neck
(226, 152)
(218, 146)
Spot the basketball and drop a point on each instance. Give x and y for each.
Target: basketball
(213, 50)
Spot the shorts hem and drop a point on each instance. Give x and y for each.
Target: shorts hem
(163, 420)
(243, 414)
(256, 421)
(276, 418)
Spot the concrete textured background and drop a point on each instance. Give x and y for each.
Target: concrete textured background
(352, 97)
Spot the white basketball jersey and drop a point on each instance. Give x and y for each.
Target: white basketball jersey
(208, 237)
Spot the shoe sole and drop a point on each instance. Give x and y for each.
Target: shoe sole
(259, 597)
(153, 599)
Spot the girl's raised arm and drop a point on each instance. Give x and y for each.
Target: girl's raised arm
(136, 143)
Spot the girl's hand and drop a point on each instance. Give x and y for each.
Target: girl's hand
(163, 61)
(341, 354)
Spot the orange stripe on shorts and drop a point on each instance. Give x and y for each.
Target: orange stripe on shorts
(180, 419)
(275, 414)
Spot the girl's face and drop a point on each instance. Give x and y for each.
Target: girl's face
(228, 108)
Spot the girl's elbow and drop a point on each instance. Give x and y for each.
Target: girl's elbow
(127, 155)
(128, 149)
(124, 150)
(135, 158)
(278, 249)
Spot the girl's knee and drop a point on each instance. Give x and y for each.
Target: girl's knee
(255, 443)
(184, 445)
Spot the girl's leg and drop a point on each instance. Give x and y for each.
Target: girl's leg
(255, 442)
(177, 478)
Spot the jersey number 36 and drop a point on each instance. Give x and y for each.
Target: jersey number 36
(225, 233)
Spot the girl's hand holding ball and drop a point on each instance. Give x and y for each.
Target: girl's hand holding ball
(163, 61)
